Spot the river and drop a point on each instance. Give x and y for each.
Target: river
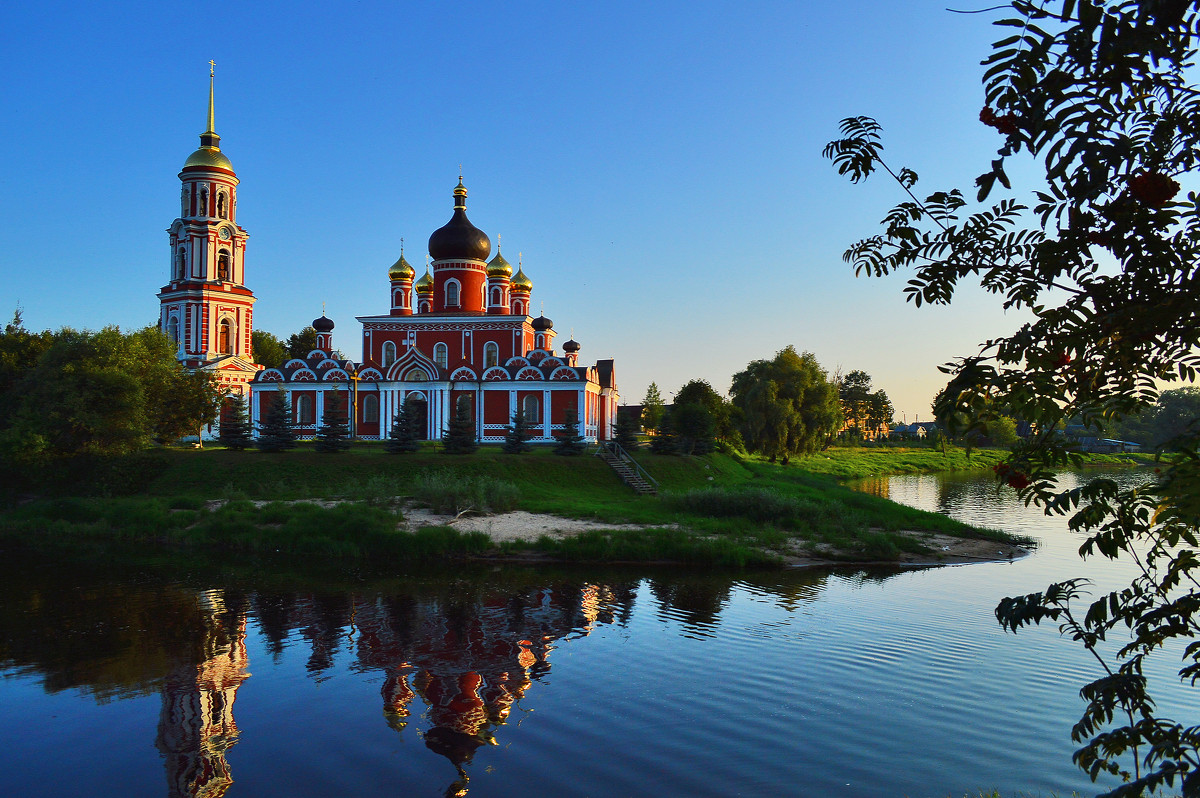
(556, 682)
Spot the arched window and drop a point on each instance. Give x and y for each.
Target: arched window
(440, 355)
(202, 208)
(305, 410)
(389, 353)
(451, 293)
(223, 267)
(497, 296)
(173, 329)
(221, 205)
(186, 197)
(539, 342)
(529, 408)
(370, 409)
(415, 375)
(224, 337)
(491, 354)
(181, 264)
(423, 306)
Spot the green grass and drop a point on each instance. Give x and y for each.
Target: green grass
(715, 510)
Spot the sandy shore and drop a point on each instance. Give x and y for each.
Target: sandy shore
(520, 525)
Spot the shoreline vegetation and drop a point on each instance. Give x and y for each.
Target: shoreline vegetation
(716, 510)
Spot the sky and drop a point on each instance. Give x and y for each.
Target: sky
(657, 165)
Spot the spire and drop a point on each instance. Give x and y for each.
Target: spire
(460, 193)
(209, 137)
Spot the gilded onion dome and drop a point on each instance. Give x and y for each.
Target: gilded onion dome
(458, 239)
(425, 284)
(209, 155)
(401, 269)
(499, 267)
(520, 282)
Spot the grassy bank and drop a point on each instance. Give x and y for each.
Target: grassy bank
(716, 510)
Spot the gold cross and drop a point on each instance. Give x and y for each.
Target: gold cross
(212, 66)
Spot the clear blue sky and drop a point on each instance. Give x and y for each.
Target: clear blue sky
(658, 164)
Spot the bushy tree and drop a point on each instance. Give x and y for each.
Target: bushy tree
(269, 350)
(664, 441)
(788, 405)
(517, 435)
(460, 433)
(699, 392)
(403, 437)
(1104, 258)
(569, 441)
(652, 408)
(694, 427)
(300, 344)
(236, 432)
(334, 433)
(277, 431)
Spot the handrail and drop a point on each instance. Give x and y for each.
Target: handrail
(619, 450)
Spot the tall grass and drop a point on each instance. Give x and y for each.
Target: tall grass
(451, 492)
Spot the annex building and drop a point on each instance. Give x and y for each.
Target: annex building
(458, 339)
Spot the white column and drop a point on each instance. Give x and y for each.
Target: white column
(546, 433)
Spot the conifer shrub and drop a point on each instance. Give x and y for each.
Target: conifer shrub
(517, 435)
(277, 432)
(403, 437)
(460, 434)
(334, 433)
(236, 432)
(570, 442)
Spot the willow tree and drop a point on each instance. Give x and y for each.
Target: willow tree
(788, 405)
(1105, 256)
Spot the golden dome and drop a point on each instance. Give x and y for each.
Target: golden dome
(401, 270)
(207, 157)
(425, 284)
(499, 267)
(521, 282)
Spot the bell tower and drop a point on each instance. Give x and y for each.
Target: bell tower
(205, 306)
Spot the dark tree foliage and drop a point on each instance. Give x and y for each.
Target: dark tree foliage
(236, 432)
(403, 437)
(569, 441)
(788, 405)
(699, 392)
(517, 435)
(1105, 256)
(277, 431)
(652, 407)
(460, 433)
(334, 433)
(625, 432)
(663, 441)
(300, 344)
(694, 428)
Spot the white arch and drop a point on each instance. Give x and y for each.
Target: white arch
(453, 295)
(389, 353)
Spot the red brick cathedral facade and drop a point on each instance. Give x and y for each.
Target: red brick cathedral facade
(459, 339)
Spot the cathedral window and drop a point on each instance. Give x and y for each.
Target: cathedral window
(221, 205)
(389, 354)
(452, 293)
(370, 409)
(186, 198)
(497, 296)
(440, 355)
(224, 337)
(223, 267)
(529, 409)
(181, 264)
(305, 410)
(491, 354)
(202, 209)
(173, 329)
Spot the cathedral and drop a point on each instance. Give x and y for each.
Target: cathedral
(460, 339)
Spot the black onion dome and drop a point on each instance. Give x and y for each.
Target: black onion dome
(571, 346)
(542, 323)
(323, 324)
(458, 239)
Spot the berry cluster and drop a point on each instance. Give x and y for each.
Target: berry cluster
(1006, 124)
(1011, 476)
(1152, 189)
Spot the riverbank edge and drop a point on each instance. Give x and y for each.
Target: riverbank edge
(567, 490)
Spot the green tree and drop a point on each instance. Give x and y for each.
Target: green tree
(236, 432)
(460, 433)
(652, 408)
(517, 435)
(625, 432)
(880, 412)
(277, 431)
(268, 350)
(300, 344)
(569, 441)
(403, 436)
(663, 442)
(334, 433)
(699, 392)
(694, 427)
(854, 392)
(1103, 257)
(788, 405)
